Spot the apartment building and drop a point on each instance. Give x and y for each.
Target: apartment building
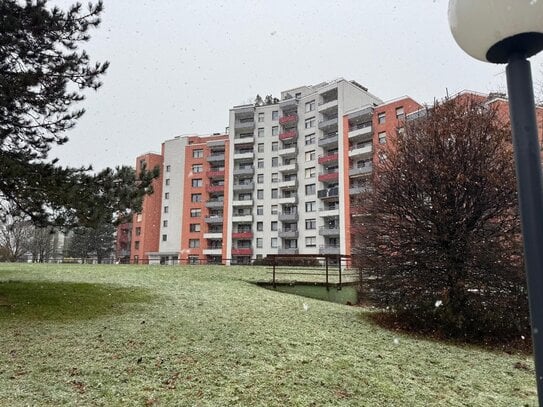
(290, 170)
(187, 207)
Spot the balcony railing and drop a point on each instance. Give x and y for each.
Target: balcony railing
(288, 234)
(329, 230)
(247, 186)
(328, 140)
(288, 120)
(244, 124)
(215, 157)
(360, 150)
(242, 202)
(353, 171)
(288, 135)
(214, 219)
(214, 203)
(244, 171)
(288, 216)
(215, 173)
(244, 140)
(288, 168)
(329, 158)
(213, 235)
(242, 235)
(328, 193)
(288, 151)
(244, 155)
(215, 188)
(329, 176)
(290, 184)
(328, 124)
(288, 103)
(244, 251)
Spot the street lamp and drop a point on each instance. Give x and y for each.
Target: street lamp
(510, 31)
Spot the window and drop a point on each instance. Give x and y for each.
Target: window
(142, 164)
(167, 181)
(260, 132)
(310, 224)
(136, 244)
(259, 242)
(197, 153)
(166, 195)
(275, 177)
(310, 155)
(260, 147)
(197, 168)
(165, 223)
(260, 210)
(259, 226)
(261, 117)
(298, 95)
(195, 213)
(259, 194)
(260, 163)
(275, 146)
(194, 227)
(168, 168)
(310, 206)
(139, 217)
(382, 138)
(310, 123)
(194, 243)
(196, 197)
(309, 139)
(310, 106)
(275, 161)
(310, 241)
(166, 209)
(310, 172)
(273, 225)
(274, 209)
(275, 130)
(274, 193)
(275, 115)
(260, 179)
(138, 231)
(310, 189)
(274, 242)
(400, 113)
(381, 118)
(164, 238)
(197, 183)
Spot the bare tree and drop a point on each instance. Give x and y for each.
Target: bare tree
(15, 234)
(41, 244)
(438, 239)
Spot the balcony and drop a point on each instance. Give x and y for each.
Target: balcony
(328, 106)
(361, 132)
(244, 251)
(358, 190)
(328, 141)
(288, 168)
(214, 219)
(242, 218)
(244, 140)
(216, 143)
(247, 111)
(242, 202)
(216, 173)
(329, 230)
(288, 135)
(216, 157)
(328, 193)
(242, 235)
(244, 155)
(328, 159)
(212, 252)
(329, 249)
(214, 204)
(329, 212)
(289, 120)
(290, 200)
(329, 176)
(288, 234)
(215, 188)
(287, 250)
(365, 149)
(290, 184)
(288, 103)
(244, 124)
(288, 216)
(213, 235)
(288, 151)
(355, 171)
(329, 124)
(244, 171)
(248, 186)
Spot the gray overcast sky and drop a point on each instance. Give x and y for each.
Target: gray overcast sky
(178, 66)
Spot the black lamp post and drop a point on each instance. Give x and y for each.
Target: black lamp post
(510, 31)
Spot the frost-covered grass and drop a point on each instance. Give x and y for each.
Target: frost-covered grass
(205, 336)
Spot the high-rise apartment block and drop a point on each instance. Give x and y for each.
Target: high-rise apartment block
(280, 182)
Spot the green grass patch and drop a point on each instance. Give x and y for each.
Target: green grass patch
(61, 301)
(210, 337)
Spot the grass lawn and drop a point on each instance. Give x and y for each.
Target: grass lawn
(205, 336)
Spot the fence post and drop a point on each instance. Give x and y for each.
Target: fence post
(326, 263)
(273, 264)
